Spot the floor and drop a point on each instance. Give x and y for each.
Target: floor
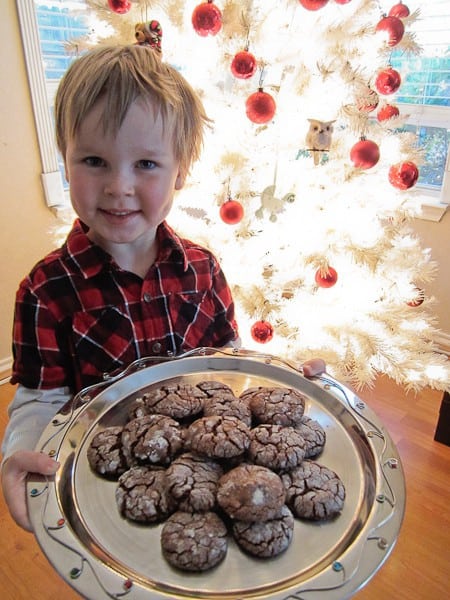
(419, 565)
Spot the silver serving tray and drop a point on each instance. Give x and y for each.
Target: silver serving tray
(102, 555)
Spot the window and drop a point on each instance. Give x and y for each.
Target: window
(424, 94)
(45, 25)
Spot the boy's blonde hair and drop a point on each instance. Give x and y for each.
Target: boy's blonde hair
(119, 75)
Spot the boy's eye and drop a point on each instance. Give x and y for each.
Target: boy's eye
(94, 161)
(146, 164)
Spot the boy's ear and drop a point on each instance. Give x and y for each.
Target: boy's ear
(179, 181)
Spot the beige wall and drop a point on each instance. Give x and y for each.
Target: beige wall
(436, 236)
(26, 221)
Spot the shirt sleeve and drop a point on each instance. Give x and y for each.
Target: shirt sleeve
(29, 413)
(40, 358)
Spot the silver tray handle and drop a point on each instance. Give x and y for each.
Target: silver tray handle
(89, 393)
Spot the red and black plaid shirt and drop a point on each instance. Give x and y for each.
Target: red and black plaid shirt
(78, 315)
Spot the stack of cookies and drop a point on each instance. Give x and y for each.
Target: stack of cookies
(210, 464)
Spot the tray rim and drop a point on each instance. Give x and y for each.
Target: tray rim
(343, 577)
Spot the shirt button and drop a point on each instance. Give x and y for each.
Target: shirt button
(156, 348)
(147, 297)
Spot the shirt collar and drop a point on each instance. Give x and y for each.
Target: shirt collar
(91, 259)
(171, 246)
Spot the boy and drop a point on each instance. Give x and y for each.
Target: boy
(124, 285)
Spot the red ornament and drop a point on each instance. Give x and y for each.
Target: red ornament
(243, 65)
(399, 10)
(260, 107)
(342, 1)
(119, 6)
(326, 278)
(367, 100)
(386, 112)
(403, 175)
(231, 212)
(365, 154)
(262, 332)
(313, 4)
(394, 28)
(388, 81)
(418, 299)
(207, 19)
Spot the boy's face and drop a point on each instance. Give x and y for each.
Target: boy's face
(122, 186)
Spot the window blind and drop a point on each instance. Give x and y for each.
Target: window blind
(426, 78)
(58, 21)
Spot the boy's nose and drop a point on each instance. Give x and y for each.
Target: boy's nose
(119, 184)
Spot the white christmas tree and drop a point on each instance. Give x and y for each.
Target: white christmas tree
(305, 188)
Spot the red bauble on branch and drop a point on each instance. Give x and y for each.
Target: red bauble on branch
(243, 65)
(365, 154)
(342, 1)
(326, 278)
(262, 332)
(388, 81)
(260, 107)
(119, 6)
(399, 10)
(394, 29)
(207, 19)
(313, 4)
(231, 212)
(403, 175)
(386, 112)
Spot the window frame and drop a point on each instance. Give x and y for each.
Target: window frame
(52, 181)
(434, 203)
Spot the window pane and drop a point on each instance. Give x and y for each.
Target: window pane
(426, 83)
(434, 142)
(57, 26)
(426, 80)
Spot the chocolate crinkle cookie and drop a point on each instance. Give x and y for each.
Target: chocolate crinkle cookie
(152, 439)
(229, 406)
(105, 455)
(141, 495)
(215, 388)
(194, 541)
(314, 436)
(251, 493)
(178, 400)
(313, 491)
(279, 406)
(192, 480)
(276, 447)
(268, 538)
(218, 436)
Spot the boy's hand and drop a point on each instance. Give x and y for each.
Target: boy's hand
(313, 367)
(14, 474)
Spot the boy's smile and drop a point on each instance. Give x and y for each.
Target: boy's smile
(122, 186)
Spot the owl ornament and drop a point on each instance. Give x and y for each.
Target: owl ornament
(318, 138)
(149, 34)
